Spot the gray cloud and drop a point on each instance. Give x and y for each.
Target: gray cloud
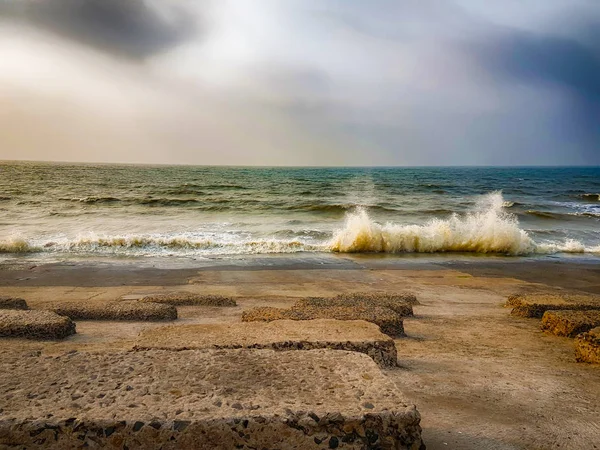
(317, 81)
(130, 28)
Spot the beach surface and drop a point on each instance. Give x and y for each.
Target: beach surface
(479, 377)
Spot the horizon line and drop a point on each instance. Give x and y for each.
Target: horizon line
(258, 166)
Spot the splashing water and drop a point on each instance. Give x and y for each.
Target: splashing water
(485, 229)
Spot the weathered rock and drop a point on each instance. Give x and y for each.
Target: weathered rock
(587, 346)
(535, 305)
(402, 308)
(570, 323)
(217, 399)
(283, 335)
(390, 298)
(266, 314)
(35, 325)
(189, 299)
(13, 303)
(128, 311)
(389, 322)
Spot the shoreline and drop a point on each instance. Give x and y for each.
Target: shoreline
(570, 272)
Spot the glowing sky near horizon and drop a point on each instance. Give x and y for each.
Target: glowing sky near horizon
(301, 82)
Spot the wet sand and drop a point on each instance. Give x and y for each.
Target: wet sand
(480, 378)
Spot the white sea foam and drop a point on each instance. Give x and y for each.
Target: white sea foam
(485, 229)
(184, 245)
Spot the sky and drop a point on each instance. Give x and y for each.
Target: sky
(301, 82)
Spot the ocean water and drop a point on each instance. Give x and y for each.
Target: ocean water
(219, 212)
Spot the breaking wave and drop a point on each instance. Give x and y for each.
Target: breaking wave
(486, 229)
(590, 197)
(159, 245)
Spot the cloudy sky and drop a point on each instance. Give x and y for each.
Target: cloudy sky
(301, 82)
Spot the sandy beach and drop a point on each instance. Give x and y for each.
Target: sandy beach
(479, 377)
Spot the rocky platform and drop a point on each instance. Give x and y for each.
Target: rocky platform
(535, 305)
(34, 325)
(357, 336)
(203, 399)
(570, 323)
(587, 346)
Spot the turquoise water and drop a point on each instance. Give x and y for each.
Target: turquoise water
(92, 210)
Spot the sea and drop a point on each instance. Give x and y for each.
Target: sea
(52, 211)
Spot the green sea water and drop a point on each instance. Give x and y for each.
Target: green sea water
(218, 212)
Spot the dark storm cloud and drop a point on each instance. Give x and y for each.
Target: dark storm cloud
(569, 64)
(130, 28)
(557, 61)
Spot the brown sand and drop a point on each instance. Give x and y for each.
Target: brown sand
(480, 378)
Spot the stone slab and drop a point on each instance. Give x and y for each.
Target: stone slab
(570, 323)
(119, 311)
(35, 324)
(388, 297)
(203, 399)
(356, 335)
(189, 299)
(402, 308)
(535, 305)
(587, 346)
(389, 322)
(12, 303)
